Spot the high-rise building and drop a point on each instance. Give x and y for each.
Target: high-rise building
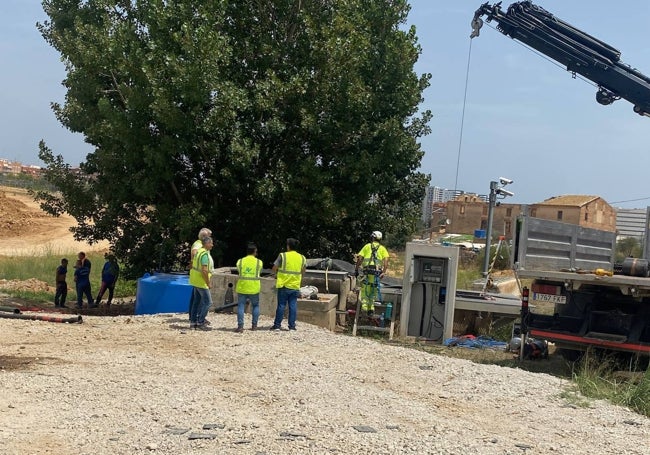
(435, 194)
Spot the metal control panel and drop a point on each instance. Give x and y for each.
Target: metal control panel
(430, 270)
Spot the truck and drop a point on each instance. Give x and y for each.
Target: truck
(580, 52)
(595, 302)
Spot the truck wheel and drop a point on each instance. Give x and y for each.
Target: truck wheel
(570, 355)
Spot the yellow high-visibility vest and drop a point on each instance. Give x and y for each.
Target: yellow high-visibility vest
(249, 269)
(290, 270)
(196, 274)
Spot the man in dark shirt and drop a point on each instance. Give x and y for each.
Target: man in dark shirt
(61, 285)
(82, 279)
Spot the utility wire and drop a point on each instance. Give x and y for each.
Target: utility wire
(631, 200)
(462, 117)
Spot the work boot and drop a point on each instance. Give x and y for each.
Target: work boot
(254, 327)
(239, 330)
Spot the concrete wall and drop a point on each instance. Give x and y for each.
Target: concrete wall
(333, 288)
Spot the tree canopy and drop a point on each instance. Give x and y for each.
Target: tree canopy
(260, 120)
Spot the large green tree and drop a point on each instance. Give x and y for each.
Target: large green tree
(259, 119)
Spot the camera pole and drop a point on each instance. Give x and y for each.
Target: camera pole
(488, 234)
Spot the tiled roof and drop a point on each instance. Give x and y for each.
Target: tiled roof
(572, 200)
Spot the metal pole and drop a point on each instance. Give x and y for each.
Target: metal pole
(488, 235)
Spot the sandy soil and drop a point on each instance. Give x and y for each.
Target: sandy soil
(26, 230)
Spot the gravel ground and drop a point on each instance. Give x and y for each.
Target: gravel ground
(147, 384)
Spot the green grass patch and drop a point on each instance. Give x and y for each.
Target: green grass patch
(598, 377)
(466, 277)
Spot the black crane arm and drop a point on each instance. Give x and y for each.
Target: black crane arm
(580, 52)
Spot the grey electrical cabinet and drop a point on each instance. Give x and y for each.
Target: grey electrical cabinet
(429, 291)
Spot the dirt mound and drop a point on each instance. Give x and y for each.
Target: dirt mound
(16, 218)
(26, 230)
(31, 284)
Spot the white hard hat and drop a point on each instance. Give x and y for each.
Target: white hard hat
(515, 344)
(376, 235)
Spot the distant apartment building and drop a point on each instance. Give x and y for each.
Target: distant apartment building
(32, 170)
(10, 167)
(434, 203)
(631, 222)
(427, 206)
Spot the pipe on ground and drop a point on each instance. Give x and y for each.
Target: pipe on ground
(10, 309)
(225, 307)
(35, 317)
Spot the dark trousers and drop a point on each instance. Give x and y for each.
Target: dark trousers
(61, 293)
(102, 289)
(84, 289)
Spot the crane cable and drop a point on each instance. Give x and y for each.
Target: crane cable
(469, 59)
(462, 117)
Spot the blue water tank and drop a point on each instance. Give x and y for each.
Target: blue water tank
(163, 293)
(480, 233)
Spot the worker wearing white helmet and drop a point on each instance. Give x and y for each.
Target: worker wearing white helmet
(373, 259)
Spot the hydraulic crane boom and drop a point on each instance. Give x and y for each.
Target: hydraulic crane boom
(580, 52)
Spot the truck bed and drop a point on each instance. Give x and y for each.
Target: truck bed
(628, 285)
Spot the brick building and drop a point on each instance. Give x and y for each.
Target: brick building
(587, 211)
(469, 212)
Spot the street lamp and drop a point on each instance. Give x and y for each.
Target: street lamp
(496, 192)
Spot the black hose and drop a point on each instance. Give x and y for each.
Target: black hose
(424, 306)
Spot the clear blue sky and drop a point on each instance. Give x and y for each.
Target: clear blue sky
(525, 118)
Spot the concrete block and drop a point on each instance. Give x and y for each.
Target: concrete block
(324, 303)
(321, 312)
(334, 282)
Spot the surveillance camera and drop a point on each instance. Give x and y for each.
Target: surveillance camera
(505, 181)
(505, 192)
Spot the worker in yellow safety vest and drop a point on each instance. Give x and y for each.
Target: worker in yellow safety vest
(373, 259)
(200, 273)
(196, 246)
(289, 267)
(248, 286)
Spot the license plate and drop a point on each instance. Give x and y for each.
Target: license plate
(549, 298)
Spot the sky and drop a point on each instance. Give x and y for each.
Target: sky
(524, 118)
